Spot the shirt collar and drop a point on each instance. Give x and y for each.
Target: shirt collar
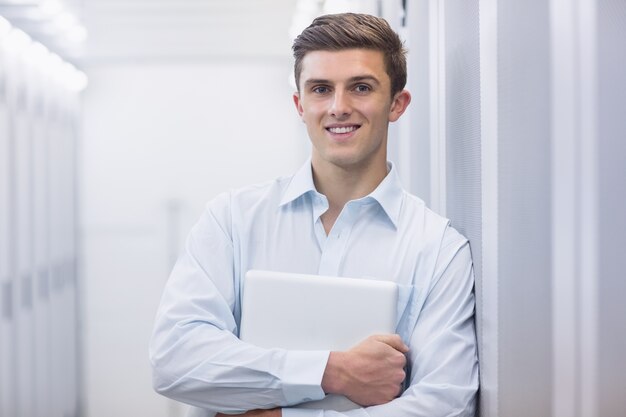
(300, 184)
(388, 194)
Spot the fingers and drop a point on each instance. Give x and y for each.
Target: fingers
(393, 340)
(370, 373)
(400, 390)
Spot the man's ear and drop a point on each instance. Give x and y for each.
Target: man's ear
(399, 104)
(296, 101)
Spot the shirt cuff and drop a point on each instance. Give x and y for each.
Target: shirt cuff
(302, 374)
(302, 412)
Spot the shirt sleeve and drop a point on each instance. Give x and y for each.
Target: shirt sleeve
(443, 355)
(195, 354)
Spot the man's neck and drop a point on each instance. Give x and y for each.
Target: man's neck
(341, 185)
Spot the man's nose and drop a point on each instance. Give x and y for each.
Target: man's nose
(340, 106)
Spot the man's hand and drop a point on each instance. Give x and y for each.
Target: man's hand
(274, 412)
(371, 373)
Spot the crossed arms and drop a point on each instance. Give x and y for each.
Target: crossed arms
(371, 373)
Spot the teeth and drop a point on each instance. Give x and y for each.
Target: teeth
(345, 129)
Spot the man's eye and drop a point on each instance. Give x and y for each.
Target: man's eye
(320, 89)
(362, 88)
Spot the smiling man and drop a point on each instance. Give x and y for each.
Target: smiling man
(345, 100)
(344, 213)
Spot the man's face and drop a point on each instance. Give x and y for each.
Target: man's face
(345, 101)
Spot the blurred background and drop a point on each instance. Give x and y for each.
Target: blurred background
(120, 119)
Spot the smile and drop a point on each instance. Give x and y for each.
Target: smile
(342, 129)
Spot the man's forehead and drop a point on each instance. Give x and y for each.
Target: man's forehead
(343, 65)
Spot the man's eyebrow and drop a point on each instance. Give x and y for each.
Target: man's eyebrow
(355, 79)
(360, 78)
(316, 81)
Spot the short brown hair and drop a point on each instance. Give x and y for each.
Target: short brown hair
(336, 32)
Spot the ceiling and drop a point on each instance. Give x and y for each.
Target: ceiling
(140, 30)
(188, 29)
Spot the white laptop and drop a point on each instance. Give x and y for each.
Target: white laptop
(314, 312)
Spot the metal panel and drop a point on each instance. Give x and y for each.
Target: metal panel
(24, 289)
(67, 147)
(418, 113)
(487, 299)
(38, 314)
(524, 210)
(574, 211)
(7, 394)
(463, 176)
(56, 242)
(41, 306)
(437, 95)
(463, 135)
(611, 146)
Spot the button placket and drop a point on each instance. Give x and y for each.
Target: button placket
(320, 205)
(335, 245)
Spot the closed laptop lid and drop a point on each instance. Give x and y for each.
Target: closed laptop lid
(314, 312)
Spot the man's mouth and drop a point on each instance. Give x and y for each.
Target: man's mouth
(342, 129)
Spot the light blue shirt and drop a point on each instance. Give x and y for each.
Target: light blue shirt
(388, 235)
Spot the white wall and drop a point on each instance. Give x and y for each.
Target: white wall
(160, 140)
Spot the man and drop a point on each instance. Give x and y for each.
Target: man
(343, 213)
